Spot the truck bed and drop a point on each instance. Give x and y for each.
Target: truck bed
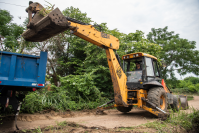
(22, 69)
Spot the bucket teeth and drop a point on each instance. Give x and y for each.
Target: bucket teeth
(50, 25)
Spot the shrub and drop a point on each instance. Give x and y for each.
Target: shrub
(192, 88)
(75, 93)
(188, 85)
(80, 86)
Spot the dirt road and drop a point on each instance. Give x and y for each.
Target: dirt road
(111, 118)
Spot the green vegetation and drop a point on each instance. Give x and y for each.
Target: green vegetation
(178, 54)
(9, 33)
(59, 99)
(47, 9)
(178, 122)
(78, 70)
(187, 121)
(190, 97)
(60, 127)
(189, 85)
(79, 75)
(81, 68)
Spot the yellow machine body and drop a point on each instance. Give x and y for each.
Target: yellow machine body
(40, 28)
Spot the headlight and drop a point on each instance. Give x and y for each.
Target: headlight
(137, 55)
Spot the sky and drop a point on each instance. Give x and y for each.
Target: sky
(181, 16)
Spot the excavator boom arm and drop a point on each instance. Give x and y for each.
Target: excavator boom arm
(43, 27)
(90, 34)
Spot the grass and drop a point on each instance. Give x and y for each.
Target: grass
(60, 127)
(62, 124)
(159, 126)
(190, 97)
(38, 130)
(185, 93)
(178, 122)
(57, 100)
(126, 128)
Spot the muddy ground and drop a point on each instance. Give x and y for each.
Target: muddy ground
(85, 120)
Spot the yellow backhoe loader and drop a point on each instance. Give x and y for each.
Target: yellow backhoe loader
(138, 82)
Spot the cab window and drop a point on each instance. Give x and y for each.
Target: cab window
(149, 67)
(156, 68)
(133, 69)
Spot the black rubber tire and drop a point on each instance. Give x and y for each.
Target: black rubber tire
(176, 106)
(154, 96)
(124, 109)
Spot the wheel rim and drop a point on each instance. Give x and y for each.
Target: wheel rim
(162, 102)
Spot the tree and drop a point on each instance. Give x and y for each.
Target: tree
(73, 59)
(177, 53)
(9, 32)
(194, 80)
(136, 42)
(190, 83)
(96, 59)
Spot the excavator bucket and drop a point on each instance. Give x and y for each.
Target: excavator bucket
(43, 27)
(184, 102)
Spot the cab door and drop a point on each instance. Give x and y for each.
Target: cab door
(150, 75)
(156, 69)
(152, 69)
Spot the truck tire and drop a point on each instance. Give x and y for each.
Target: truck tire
(176, 106)
(158, 96)
(124, 109)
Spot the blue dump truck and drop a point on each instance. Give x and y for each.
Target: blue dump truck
(20, 72)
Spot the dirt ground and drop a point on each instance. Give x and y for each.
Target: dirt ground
(88, 120)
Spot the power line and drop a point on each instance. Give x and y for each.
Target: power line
(13, 4)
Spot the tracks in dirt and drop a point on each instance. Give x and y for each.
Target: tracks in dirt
(87, 118)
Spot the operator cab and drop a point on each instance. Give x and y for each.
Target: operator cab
(140, 68)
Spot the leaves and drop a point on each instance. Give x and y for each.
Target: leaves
(177, 53)
(188, 85)
(47, 9)
(81, 68)
(62, 98)
(10, 32)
